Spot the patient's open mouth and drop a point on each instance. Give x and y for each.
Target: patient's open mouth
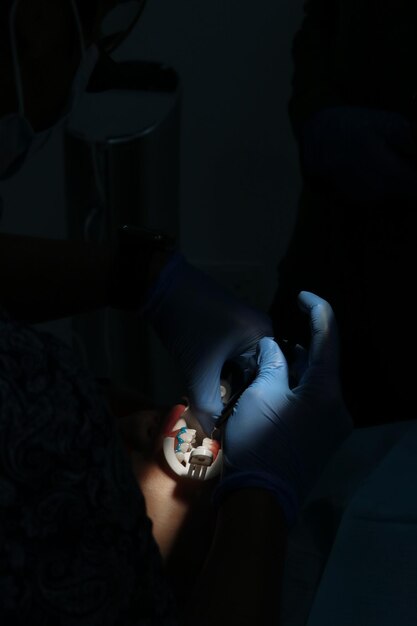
(185, 452)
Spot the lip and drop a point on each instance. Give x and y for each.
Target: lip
(172, 417)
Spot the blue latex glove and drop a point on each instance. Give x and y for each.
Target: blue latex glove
(203, 325)
(279, 437)
(365, 156)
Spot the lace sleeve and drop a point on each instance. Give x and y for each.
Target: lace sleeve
(76, 546)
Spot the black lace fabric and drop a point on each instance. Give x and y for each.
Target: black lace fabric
(76, 546)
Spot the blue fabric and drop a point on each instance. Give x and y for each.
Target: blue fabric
(351, 557)
(76, 546)
(371, 575)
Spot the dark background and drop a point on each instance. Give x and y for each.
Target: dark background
(239, 180)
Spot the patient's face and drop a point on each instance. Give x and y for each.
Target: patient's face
(143, 430)
(184, 502)
(165, 439)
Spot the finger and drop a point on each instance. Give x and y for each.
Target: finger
(247, 360)
(270, 382)
(205, 398)
(271, 377)
(272, 365)
(324, 345)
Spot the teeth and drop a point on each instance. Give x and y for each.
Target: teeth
(180, 424)
(184, 440)
(212, 445)
(180, 456)
(188, 436)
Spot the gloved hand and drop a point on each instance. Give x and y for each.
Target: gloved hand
(279, 437)
(202, 325)
(365, 156)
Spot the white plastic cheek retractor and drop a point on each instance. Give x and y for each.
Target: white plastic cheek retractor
(185, 458)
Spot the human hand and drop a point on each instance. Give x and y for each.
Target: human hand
(283, 436)
(366, 156)
(203, 325)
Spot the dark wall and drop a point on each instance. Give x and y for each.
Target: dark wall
(239, 172)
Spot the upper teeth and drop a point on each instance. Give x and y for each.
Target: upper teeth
(185, 438)
(187, 435)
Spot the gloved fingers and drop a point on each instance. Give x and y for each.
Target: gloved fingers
(206, 387)
(324, 345)
(246, 365)
(269, 385)
(205, 391)
(205, 398)
(272, 365)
